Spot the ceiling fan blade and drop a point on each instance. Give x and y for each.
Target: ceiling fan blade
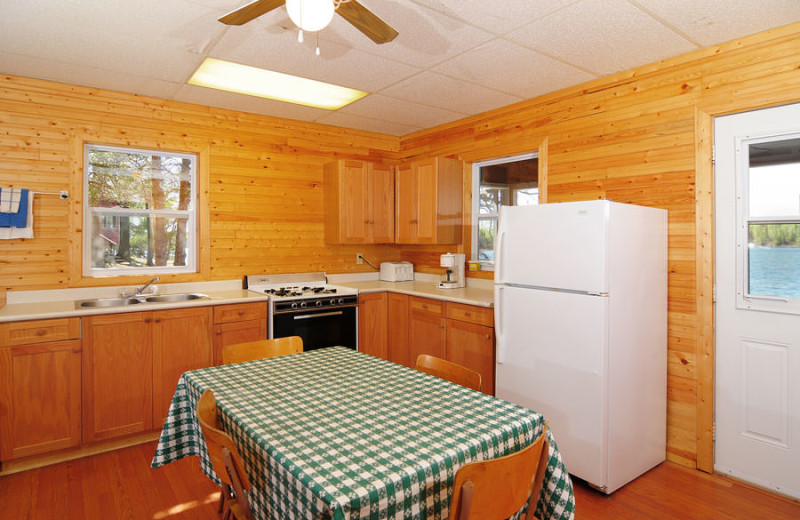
(250, 11)
(362, 19)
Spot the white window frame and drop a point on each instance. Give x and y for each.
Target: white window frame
(745, 300)
(476, 191)
(190, 215)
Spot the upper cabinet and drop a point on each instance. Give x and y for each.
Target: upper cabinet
(359, 203)
(429, 202)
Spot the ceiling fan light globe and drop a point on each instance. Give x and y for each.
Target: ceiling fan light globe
(310, 15)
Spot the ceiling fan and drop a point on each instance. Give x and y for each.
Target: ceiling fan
(359, 16)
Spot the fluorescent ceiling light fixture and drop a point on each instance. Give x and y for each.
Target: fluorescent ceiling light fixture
(243, 79)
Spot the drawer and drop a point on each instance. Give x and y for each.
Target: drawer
(240, 312)
(470, 314)
(427, 306)
(39, 331)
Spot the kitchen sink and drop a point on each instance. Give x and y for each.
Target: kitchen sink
(119, 302)
(106, 302)
(172, 298)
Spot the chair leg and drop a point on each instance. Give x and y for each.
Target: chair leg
(221, 499)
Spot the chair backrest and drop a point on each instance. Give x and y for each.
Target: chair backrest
(265, 348)
(453, 372)
(497, 488)
(218, 442)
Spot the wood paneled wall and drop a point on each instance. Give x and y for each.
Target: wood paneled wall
(263, 187)
(644, 137)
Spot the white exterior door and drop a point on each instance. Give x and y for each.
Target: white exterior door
(757, 310)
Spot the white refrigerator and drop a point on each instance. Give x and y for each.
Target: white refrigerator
(581, 326)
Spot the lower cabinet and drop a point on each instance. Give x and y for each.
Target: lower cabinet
(460, 333)
(238, 323)
(181, 342)
(131, 366)
(40, 387)
(117, 375)
(372, 324)
(427, 330)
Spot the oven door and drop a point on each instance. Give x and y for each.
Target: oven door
(319, 327)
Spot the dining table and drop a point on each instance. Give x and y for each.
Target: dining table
(335, 433)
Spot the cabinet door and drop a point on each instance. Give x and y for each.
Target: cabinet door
(427, 197)
(397, 326)
(372, 325)
(346, 202)
(405, 206)
(472, 346)
(117, 375)
(381, 204)
(181, 342)
(426, 328)
(237, 332)
(40, 398)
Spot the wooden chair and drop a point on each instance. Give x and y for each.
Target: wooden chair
(453, 372)
(226, 461)
(497, 488)
(265, 348)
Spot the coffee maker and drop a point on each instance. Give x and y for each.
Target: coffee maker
(453, 276)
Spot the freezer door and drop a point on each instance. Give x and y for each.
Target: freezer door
(554, 245)
(551, 358)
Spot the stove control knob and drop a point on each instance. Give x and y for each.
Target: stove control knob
(294, 305)
(319, 303)
(333, 301)
(341, 301)
(303, 305)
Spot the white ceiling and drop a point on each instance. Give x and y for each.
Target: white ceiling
(452, 59)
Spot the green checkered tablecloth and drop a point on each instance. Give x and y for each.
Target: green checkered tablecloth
(334, 433)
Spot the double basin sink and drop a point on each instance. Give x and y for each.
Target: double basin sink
(121, 302)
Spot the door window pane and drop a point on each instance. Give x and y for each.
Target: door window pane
(773, 218)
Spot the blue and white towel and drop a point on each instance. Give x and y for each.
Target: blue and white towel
(19, 224)
(9, 199)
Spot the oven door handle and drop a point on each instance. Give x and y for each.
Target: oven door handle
(318, 315)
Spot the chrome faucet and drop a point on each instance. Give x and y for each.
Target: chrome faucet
(140, 290)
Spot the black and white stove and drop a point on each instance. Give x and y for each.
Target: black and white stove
(305, 305)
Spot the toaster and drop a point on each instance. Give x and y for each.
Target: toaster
(396, 271)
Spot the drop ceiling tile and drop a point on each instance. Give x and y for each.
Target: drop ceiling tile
(602, 36)
(448, 93)
(376, 106)
(495, 17)
(509, 67)
(426, 37)
(160, 41)
(277, 49)
(367, 124)
(714, 21)
(251, 104)
(52, 70)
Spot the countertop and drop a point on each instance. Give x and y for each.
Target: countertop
(425, 286)
(61, 303)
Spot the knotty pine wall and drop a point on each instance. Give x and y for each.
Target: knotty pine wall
(263, 194)
(644, 137)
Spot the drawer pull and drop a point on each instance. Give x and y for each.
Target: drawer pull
(41, 332)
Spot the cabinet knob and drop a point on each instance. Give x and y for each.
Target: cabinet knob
(41, 332)
(147, 320)
(158, 320)
(241, 313)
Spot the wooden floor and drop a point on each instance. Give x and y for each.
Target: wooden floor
(121, 485)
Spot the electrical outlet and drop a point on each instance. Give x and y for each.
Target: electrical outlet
(359, 258)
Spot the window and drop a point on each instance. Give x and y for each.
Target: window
(139, 212)
(513, 181)
(769, 237)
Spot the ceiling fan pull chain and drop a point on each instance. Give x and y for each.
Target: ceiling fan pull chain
(300, 36)
(317, 51)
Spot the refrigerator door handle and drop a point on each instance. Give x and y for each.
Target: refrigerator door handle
(498, 324)
(498, 257)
